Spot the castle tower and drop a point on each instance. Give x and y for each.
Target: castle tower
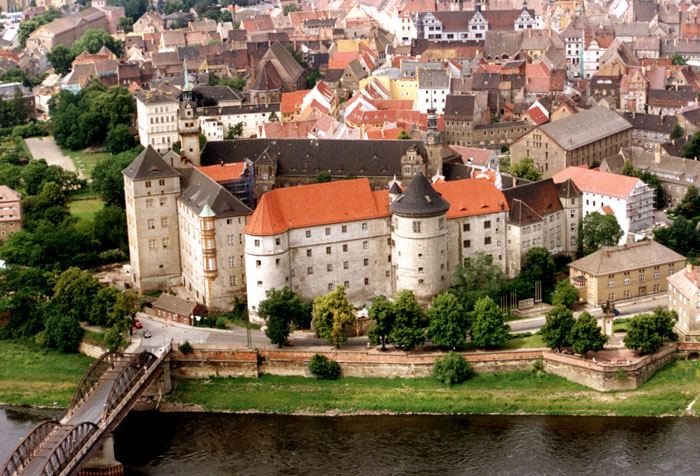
(267, 260)
(151, 188)
(207, 224)
(433, 145)
(419, 238)
(188, 125)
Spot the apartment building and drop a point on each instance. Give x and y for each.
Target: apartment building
(157, 120)
(684, 298)
(10, 211)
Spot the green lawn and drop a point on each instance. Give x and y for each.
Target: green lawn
(533, 341)
(668, 393)
(86, 209)
(85, 162)
(34, 375)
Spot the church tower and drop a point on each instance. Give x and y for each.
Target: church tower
(419, 239)
(433, 145)
(188, 125)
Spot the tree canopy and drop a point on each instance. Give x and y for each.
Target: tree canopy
(689, 207)
(586, 335)
(487, 327)
(448, 322)
(598, 231)
(278, 310)
(556, 333)
(525, 168)
(565, 293)
(383, 312)
(332, 313)
(408, 331)
(477, 277)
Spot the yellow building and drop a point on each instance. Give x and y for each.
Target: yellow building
(625, 272)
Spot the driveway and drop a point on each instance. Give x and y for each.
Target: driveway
(46, 148)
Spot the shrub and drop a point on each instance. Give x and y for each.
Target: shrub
(113, 339)
(451, 369)
(186, 347)
(324, 368)
(537, 366)
(620, 375)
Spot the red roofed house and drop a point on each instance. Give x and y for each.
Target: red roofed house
(313, 238)
(628, 198)
(291, 104)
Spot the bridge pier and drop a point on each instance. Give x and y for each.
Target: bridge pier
(103, 462)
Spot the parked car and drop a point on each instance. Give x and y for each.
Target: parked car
(147, 334)
(137, 323)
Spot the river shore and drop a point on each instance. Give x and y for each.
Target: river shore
(31, 375)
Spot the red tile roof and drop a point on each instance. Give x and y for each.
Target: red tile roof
(282, 209)
(223, 172)
(292, 101)
(600, 183)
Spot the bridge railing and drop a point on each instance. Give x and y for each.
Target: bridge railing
(129, 375)
(93, 374)
(24, 451)
(118, 411)
(68, 448)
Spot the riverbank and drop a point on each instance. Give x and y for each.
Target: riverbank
(670, 392)
(34, 375)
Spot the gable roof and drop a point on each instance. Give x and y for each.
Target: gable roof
(530, 202)
(149, 165)
(616, 259)
(175, 304)
(585, 127)
(200, 191)
(597, 182)
(282, 209)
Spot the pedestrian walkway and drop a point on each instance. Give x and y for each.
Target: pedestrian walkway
(47, 149)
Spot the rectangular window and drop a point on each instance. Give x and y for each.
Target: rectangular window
(487, 224)
(346, 264)
(366, 261)
(231, 261)
(277, 241)
(258, 263)
(152, 245)
(467, 243)
(641, 278)
(344, 229)
(656, 275)
(416, 226)
(328, 250)
(148, 184)
(308, 253)
(328, 231)
(310, 270)
(366, 281)
(163, 201)
(329, 267)
(308, 233)
(465, 227)
(611, 284)
(346, 284)
(257, 242)
(149, 203)
(163, 222)
(233, 280)
(345, 248)
(627, 281)
(364, 226)
(487, 240)
(151, 223)
(230, 240)
(365, 245)
(166, 243)
(259, 283)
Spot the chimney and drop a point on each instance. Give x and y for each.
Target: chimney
(222, 163)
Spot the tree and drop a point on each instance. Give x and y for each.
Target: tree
(236, 82)
(448, 322)
(665, 321)
(403, 135)
(538, 265)
(681, 236)
(273, 117)
(586, 335)
(126, 24)
(313, 78)
(677, 132)
(599, 230)
(93, 40)
(61, 59)
(643, 335)
(677, 59)
(565, 293)
(332, 313)
(234, 131)
(112, 339)
(107, 178)
(119, 139)
(63, 332)
(488, 329)
(451, 369)
(279, 310)
(525, 168)
(290, 7)
(74, 294)
(691, 149)
(689, 207)
(627, 168)
(383, 313)
(323, 177)
(202, 141)
(556, 333)
(477, 277)
(409, 326)
(110, 228)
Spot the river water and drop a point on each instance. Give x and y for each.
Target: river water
(151, 443)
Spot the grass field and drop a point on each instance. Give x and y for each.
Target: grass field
(86, 209)
(85, 162)
(34, 375)
(667, 393)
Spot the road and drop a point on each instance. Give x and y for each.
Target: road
(46, 148)
(626, 310)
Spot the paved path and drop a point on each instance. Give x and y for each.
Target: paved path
(163, 332)
(46, 148)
